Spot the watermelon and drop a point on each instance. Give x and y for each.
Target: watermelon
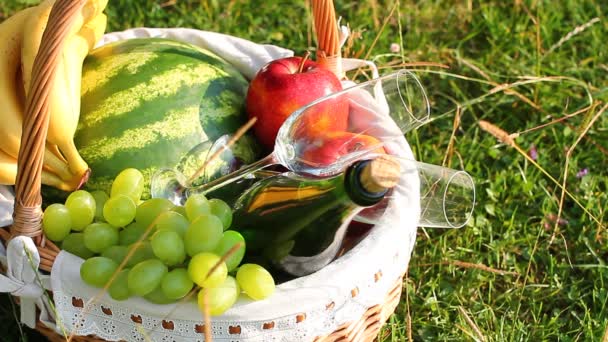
(153, 103)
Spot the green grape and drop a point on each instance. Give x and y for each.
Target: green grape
(176, 284)
(116, 253)
(129, 182)
(228, 240)
(180, 210)
(220, 298)
(150, 209)
(158, 297)
(203, 235)
(97, 271)
(201, 264)
(56, 222)
(222, 210)
(197, 205)
(168, 246)
(130, 234)
(146, 276)
(255, 281)
(100, 200)
(119, 289)
(143, 251)
(170, 220)
(99, 236)
(82, 207)
(74, 243)
(119, 210)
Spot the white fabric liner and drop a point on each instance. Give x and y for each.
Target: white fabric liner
(386, 249)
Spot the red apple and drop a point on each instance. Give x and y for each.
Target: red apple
(327, 150)
(285, 85)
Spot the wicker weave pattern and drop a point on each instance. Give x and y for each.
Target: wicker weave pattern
(27, 214)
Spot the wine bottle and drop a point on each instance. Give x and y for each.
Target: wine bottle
(297, 224)
(231, 192)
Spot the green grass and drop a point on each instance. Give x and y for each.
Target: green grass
(530, 287)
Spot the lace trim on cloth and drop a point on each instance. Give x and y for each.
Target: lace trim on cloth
(316, 308)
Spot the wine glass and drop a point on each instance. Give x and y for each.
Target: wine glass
(378, 111)
(443, 197)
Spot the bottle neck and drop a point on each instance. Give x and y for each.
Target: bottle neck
(354, 186)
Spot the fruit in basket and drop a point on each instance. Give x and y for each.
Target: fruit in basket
(153, 250)
(220, 298)
(172, 221)
(328, 149)
(150, 209)
(146, 276)
(82, 207)
(119, 289)
(8, 172)
(203, 271)
(221, 210)
(129, 182)
(255, 281)
(287, 84)
(230, 239)
(99, 236)
(119, 210)
(168, 246)
(203, 234)
(176, 284)
(12, 107)
(97, 271)
(74, 243)
(56, 222)
(64, 96)
(149, 103)
(197, 205)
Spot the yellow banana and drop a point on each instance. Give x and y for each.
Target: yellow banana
(11, 92)
(8, 174)
(65, 93)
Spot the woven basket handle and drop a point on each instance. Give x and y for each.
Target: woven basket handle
(28, 214)
(328, 36)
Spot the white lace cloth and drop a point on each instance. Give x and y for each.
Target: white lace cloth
(299, 310)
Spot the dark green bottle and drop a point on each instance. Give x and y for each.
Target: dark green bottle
(297, 224)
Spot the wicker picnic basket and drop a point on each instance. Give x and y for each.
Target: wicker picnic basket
(27, 210)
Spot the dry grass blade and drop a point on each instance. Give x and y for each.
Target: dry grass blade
(471, 324)
(447, 158)
(566, 168)
(225, 257)
(481, 267)
(506, 138)
(468, 333)
(605, 337)
(497, 132)
(408, 316)
(565, 117)
(465, 264)
(398, 64)
(577, 30)
(386, 21)
(237, 135)
(206, 316)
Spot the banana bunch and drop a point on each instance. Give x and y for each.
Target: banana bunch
(21, 35)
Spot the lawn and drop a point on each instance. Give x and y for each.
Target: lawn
(531, 265)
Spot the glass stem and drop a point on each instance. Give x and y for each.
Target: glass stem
(234, 176)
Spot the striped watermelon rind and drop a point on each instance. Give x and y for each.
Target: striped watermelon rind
(152, 103)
